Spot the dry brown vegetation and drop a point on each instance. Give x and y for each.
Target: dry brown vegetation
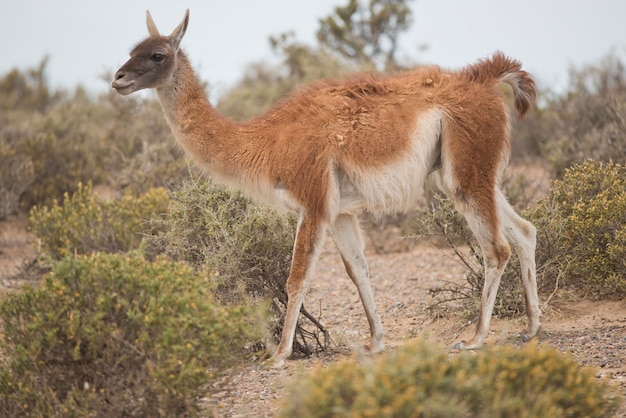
(52, 141)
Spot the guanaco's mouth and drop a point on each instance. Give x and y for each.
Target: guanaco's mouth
(123, 87)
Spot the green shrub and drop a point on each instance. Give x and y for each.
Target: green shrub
(582, 229)
(83, 224)
(247, 246)
(419, 380)
(115, 335)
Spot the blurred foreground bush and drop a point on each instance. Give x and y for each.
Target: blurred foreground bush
(112, 336)
(419, 380)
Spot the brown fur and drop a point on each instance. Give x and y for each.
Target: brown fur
(366, 142)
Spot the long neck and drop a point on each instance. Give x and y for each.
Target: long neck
(234, 154)
(204, 134)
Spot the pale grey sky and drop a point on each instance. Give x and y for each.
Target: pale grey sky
(85, 39)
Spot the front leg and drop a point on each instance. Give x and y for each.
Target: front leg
(309, 242)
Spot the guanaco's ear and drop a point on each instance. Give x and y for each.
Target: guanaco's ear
(179, 32)
(152, 29)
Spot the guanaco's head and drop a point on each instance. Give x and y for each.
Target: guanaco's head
(153, 61)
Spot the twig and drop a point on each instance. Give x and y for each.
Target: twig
(319, 326)
(455, 248)
(556, 287)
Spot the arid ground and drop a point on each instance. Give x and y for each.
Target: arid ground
(594, 332)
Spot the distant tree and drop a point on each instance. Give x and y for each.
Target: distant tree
(367, 34)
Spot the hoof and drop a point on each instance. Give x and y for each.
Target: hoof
(459, 346)
(464, 345)
(373, 349)
(525, 337)
(273, 363)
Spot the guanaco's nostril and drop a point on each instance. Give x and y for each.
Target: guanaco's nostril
(119, 74)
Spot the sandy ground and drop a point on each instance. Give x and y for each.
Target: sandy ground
(593, 332)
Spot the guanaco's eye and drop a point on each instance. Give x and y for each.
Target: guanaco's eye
(158, 57)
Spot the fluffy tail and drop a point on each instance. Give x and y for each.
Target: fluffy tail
(500, 68)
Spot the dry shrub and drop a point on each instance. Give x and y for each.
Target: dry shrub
(440, 219)
(247, 245)
(587, 121)
(27, 90)
(16, 172)
(66, 138)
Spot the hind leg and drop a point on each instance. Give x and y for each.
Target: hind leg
(496, 253)
(479, 208)
(522, 236)
(347, 236)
